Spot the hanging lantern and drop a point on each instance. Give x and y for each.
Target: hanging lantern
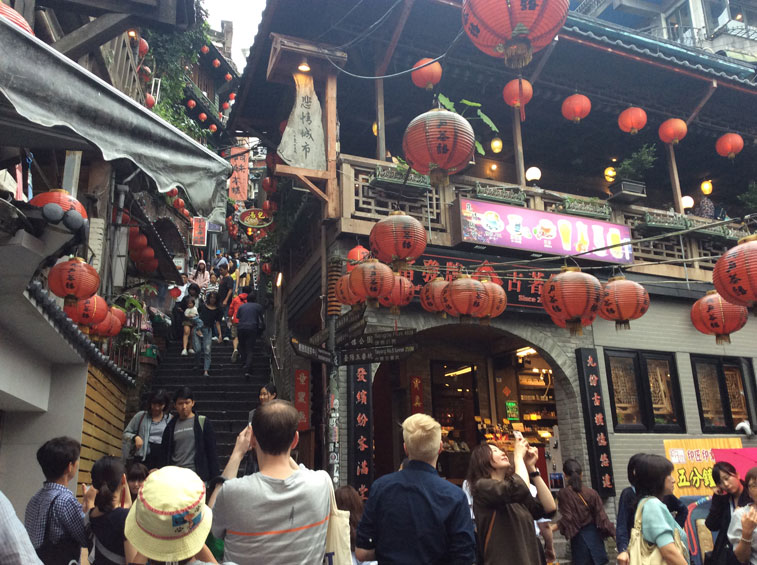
(104, 327)
(60, 197)
(270, 206)
(466, 296)
(178, 203)
(402, 294)
(632, 120)
(191, 104)
(187, 214)
(204, 49)
(513, 31)
(88, 312)
(173, 192)
(266, 268)
(344, 293)
(228, 77)
(729, 145)
(148, 266)
(202, 116)
(497, 300)
(149, 101)
(126, 219)
(735, 274)
(431, 295)
(144, 73)
(144, 47)
(371, 279)
(712, 315)
(672, 131)
(225, 106)
(15, 18)
(518, 92)
(622, 301)
(119, 314)
(143, 255)
(269, 185)
(397, 239)
(232, 95)
(73, 280)
(216, 63)
(572, 298)
(438, 143)
(175, 292)
(427, 77)
(576, 107)
(355, 255)
(213, 128)
(139, 242)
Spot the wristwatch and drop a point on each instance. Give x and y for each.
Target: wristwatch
(534, 474)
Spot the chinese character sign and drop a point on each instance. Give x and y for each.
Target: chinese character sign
(359, 393)
(595, 422)
(239, 180)
(302, 398)
(692, 461)
(416, 395)
(199, 231)
(302, 144)
(500, 225)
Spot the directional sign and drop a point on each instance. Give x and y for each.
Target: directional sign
(380, 339)
(311, 352)
(376, 354)
(341, 323)
(351, 332)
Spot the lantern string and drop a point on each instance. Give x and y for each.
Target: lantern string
(340, 20)
(371, 28)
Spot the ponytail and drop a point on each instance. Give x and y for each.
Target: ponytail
(104, 498)
(107, 474)
(573, 470)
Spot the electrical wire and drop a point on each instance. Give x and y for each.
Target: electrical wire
(373, 27)
(340, 20)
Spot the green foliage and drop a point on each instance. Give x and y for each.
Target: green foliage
(470, 104)
(446, 102)
(449, 105)
(480, 148)
(749, 198)
(640, 161)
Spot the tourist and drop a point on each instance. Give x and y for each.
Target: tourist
(135, 478)
(219, 262)
(190, 321)
(15, 547)
(251, 325)
(273, 532)
(238, 300)
(225, 294)
(211, 316)
(583, 520)
(267, 393)
(212, 287)
(189, 440)
(201, 276)
(741, 529)
(731, 495)
(347, 498)
(177, 311)
(413, 515)
(143, 435)
(503, 505)
(54, 518)
(193, 294)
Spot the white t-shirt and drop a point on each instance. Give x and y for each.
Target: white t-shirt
(734, 532)
(265, 520)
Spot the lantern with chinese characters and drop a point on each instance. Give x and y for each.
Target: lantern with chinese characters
(60, 197)
(729, 145)
(576, 107)
(109, 327)
(672, 131)
(119, 314)
(402, 294)
(355, 255)
(88, 312)
(431, 295)
(571, 298)
(712, 315)
(622, 301)
(497, 300)
(15, 18)
(438, 143)
(269, 185)
(735, 274)
(518, 92)
(466, 296)
(513, 31)
(632, 119)
(191, 104)
(397, 239)
(344, 293)
(427, 77)
(371, 279)
(73, 280)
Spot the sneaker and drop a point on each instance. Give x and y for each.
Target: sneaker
(183, 352)
(215, 339)
(205, 374)
(235, 356)
(226, 338)
(191, 351)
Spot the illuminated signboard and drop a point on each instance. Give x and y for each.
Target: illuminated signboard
(254, 218)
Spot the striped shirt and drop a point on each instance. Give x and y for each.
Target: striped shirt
(67, 517)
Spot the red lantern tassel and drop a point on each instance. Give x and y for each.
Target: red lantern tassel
(575, 327)
(722, 339)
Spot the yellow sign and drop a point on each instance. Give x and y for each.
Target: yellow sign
(692, 463)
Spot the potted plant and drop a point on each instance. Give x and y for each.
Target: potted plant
(630, 173)
(395, 179)
(589, 207)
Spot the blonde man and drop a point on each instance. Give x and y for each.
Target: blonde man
(413, 515)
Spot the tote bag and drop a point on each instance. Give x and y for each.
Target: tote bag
(641, 552)
(338, 550)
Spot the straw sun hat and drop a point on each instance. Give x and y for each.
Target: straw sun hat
(169, 521)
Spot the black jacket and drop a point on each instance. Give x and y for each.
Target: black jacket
(206, 457)
(719, 518)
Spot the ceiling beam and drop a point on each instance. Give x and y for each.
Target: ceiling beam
(384, 64)
(90, 36)
(707, 95)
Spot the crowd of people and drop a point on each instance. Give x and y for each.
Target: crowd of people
(172, 504)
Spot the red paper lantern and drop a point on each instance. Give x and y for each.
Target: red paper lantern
(178, 203)
(712, 315)
(466, 296)
(175, 292)
(191, 104)
(149, 101)
(115, 326)
(735, 274)
(672, 130)
(204, 49)
(729, 145)
(497, 300)
(225, 106)
(397, 239)
(187, 213)
(144, 72)
(266, 268)
(89, 311)
(216, 63)
(173, 192)
(355, 255)
(431, 295)
(144, 255)
(139, 242)
(15, 18)
(109, 327)
(427, 77)
(213, 128)
(572, 298)
(148, 266)
(402, 294)
(632, 120)
(232, 95)
(622, 301)
(513, 31)
(371, 279)
(438, 143)
(344, 293)
(73, 280)
(576, 107)
(270, 206)
(60, 197)
(518, 92)
(202, 116)
(269, 185)
(228, 77)
(119, 314)
(144, 47)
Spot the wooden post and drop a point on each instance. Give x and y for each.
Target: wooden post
(71, 170)
(381, 126)
(520, 169)
(332, 184)
(674, 181)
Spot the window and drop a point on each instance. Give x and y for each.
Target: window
(720, 393)
(644, 391)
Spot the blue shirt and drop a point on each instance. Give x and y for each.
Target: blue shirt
(415, 516)
(67, 516)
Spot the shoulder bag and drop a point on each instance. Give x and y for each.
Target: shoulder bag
(641, 552)
(338, 551)
(65, 552)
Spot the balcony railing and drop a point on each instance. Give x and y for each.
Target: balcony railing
(122, 66)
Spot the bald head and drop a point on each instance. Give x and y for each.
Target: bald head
(274, 425)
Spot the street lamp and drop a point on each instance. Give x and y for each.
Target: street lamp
(706, 187)
(687, 202)
(533, 174)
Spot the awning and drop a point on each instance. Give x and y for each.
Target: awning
(51, 90)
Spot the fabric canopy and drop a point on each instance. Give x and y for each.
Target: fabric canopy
(49, 89)
(743, 459)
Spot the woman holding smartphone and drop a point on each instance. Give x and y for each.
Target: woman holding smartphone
(731, 495)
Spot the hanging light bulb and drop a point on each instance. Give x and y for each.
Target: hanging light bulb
(610, 174)
(706, 186)
(533, 174)
(374, 129)
(687, 202)
(496, 145)
(303, 66)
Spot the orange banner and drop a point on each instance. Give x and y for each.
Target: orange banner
(692, 461)
(239, 181)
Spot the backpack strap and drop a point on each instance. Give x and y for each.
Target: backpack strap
(201, 421)
(489, 531)
(637, 518)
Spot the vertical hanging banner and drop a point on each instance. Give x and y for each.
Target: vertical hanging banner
(302, 398)
(359, 400)
(597, 440)
(199, 231)
(240, 175)
(416, 395)
(302, 144)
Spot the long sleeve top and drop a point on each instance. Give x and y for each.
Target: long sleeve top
(581, 509)
(200, 278)
(625, 518)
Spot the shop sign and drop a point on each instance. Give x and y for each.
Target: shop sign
(351, 332)
(311, 352)
(416, 395)
(597, 435)
(215, 228)
(380, 339)
(513, 410)
(239, 180)
(180, 263)
(500, 225)
(359, 393)
(375, 354)
(302, 398)
(199, 231)
(254, 218)
(693, 460)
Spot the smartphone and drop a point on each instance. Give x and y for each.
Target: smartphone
(517, 434)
